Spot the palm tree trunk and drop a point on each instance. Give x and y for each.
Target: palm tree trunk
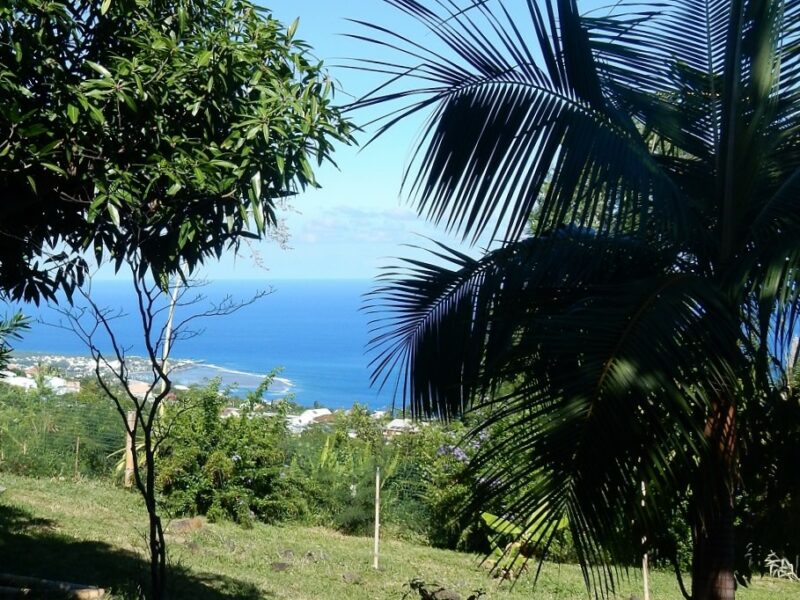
(713, 558)
(713, 555)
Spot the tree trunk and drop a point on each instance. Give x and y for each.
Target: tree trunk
(158, 550)
(158, 557)
(713, 553)
(713, 557)
(147, 488)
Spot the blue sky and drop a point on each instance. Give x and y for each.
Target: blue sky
(357, 221)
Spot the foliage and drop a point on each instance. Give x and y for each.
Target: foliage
(168, 128)
(249, 467)
(513, 544)
(41, 434)
(235, 468)
(10, 328)
(780, 567)
(645, 327)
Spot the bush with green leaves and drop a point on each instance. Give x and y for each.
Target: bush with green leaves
(339, 460)
(236, 468)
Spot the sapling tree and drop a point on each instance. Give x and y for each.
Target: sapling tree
(164, 314)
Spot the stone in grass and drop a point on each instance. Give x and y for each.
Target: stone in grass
(287, 554)
(182, 526)
(316, 556)
(445, 594)
(351, 578)
(280, 567)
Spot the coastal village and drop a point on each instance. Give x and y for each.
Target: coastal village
(62, 375)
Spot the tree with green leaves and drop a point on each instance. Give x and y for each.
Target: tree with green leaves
(154, 134)
(166, 128)
(641, 335)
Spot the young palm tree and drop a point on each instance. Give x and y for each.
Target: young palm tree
(643, 327)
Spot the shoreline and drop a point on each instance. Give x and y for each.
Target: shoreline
(184, 371)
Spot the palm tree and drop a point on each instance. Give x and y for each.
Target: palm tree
(642, 328)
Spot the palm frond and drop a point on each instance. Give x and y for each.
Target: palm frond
(599, 344)
(531, 123)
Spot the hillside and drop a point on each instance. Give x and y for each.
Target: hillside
(91, 532)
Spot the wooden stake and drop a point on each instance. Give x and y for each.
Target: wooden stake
(645, 574)
(128, 481)
(77, 454)
(376, 546)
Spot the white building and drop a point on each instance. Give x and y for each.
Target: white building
(297, 423)
(398, 426)
(21, 382)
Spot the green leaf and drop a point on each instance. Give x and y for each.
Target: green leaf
(54, 168)
(73, 112)
(203, 57)
(501, 525)
(223, 163)
(100, 69)
(292, 29)
(174, 188)
(255, 182)
(258, 213)
(113, 212)
(96, 114)
(105, 6)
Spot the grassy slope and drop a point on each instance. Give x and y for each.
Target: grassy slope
(93, 533)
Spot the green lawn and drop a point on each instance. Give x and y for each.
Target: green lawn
(90, 532)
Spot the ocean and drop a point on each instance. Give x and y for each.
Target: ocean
(312, 329)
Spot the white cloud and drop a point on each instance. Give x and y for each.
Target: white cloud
(343, 224)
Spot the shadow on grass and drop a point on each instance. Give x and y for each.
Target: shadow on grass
(32, 546)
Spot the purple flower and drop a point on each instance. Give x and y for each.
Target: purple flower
(460, 455)
(454, 451)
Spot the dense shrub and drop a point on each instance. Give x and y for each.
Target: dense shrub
(340, 460)
(236, 468)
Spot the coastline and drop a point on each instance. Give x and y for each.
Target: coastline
(314, 330)
(184, 371)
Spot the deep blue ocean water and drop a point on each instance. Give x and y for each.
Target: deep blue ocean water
(312, 328)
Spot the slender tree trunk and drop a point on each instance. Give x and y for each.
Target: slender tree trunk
(158, 551)
(713, 554)
(147, 488)
(158, 562)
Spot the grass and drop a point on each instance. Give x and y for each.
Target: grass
(91, 532)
